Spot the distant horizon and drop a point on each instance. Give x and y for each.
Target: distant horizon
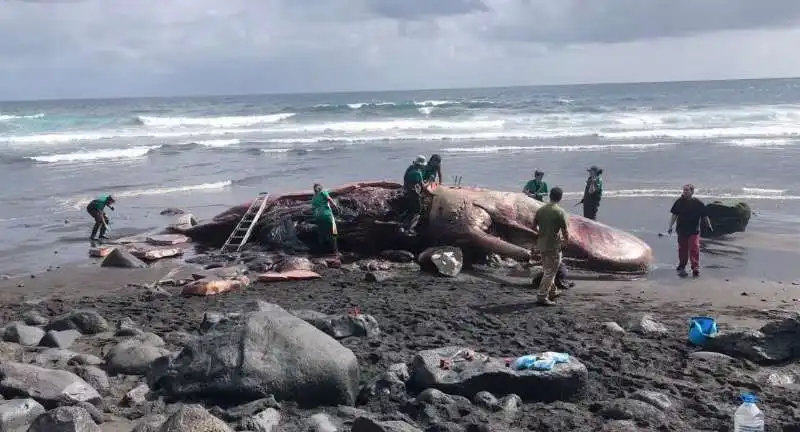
(431, 89)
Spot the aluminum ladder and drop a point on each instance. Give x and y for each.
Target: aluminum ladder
(244, 228)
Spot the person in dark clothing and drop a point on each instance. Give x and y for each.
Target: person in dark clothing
(593, 193)
(688, 211)
(413, 182)
(95, 209)
(433, 170)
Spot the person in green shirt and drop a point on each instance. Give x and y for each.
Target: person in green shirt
(536, 188)
(322, 206)
(592, 193)
(413, 182)
(433, 169)
(95, 209)
(550, 221)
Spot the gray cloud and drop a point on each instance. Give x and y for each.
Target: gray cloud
(608, 21)
(76, 48)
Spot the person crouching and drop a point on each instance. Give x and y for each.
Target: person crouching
(95, 209)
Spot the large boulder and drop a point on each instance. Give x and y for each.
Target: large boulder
(65, 419)
(18, 414)
(726, 218)
(121, 258)
(565, 381)
(266, 352)
(85, 321)
(775, 342)
(23, 334)
(49, 387)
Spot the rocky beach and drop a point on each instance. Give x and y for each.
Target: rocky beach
(374, 345)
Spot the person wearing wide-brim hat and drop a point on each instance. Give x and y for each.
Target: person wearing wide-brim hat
(593, 193)
(413, 182)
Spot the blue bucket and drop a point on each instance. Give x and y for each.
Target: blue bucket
(701, 328)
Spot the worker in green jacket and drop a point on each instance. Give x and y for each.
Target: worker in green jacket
(536, 188)
(413, 182)
(96, 209)
(322, 206)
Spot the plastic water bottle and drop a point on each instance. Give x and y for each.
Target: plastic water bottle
(748, 417)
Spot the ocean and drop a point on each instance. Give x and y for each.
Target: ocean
(734, 140)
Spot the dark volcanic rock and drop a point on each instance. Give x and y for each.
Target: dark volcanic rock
(237, 413)
(49, 387)
(629, 409)
(378, 276)
(172, 211)
(364, 424)
(271, 352)
(18, 414)
(565, 381)
(121, 258)
(34, 318)
(398, 256)
(265, 421)
(60, 339)
(775, 342)
(23, 334)
(150, 423)
(85, 321)
(726, 218)
(65, 419)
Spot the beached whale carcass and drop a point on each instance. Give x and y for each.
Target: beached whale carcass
(480, 221)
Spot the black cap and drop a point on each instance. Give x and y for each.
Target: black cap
(538, 172)
(593, 168)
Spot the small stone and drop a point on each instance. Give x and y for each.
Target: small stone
(377, 276)
(88, 322)
(658, 400)
(60, 339)
(364, 424)
(613, 327)
(320, 422)
(194, 418)
(486, 400)
(94, 376)
(648, 326)
(34, 318)
(265, 421)
(137, 395)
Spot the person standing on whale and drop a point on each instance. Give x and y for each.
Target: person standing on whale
(592, 193)
(433, 170)
(95, 209)
(413, 182)
(322, 205)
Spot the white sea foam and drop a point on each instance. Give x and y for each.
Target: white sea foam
(759, 142)
(746, 194)
(556, 148)
(80, 202)
(87, 156)
(220, 122)
(275, 150)
(7, 117)
(762, 191)
(219, 142)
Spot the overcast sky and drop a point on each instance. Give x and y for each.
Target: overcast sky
(96, 48)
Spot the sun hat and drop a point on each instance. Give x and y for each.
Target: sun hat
(420, 160)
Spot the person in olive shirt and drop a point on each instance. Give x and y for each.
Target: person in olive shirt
(688, 211)
(95, 209)
(433, 169)
(550, 221)
(592, 193)
(413, 182)
(322, 206)
(536, 188)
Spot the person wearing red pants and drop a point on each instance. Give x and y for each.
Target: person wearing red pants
(688, 211)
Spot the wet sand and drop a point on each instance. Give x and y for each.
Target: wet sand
(492, 312)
